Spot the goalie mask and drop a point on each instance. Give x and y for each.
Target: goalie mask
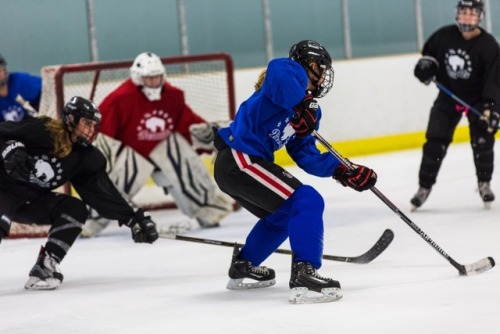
(307, 52)
(148, 64)
(82, 120)
(477, 7)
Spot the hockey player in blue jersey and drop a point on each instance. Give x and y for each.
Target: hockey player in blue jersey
(16, 89)
(283, 111)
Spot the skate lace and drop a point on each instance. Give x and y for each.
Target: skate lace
(258, 270)
(422, 193)
(50, 265)
(310, 270)
(484, 188)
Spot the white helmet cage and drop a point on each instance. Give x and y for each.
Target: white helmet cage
(147, 64)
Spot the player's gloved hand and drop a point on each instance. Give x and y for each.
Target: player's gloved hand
(426, 69)
(360, 178)
(17, 162)
(143, 228)
(4, 227)
(488, 121)
(306, 116)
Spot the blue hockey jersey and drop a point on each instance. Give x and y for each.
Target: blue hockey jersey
(262, 123)
(26, 85)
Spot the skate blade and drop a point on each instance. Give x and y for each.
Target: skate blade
(237, 284)
(35, 283)
(328, 295)
(487, 205)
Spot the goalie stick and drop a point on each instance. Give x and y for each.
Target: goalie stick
(382, 243)
(465, 270)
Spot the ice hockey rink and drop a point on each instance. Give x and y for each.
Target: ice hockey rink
(115, 286)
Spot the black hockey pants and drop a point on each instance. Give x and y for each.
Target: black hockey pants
(443, 120)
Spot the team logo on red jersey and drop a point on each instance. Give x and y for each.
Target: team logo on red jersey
(155, 126)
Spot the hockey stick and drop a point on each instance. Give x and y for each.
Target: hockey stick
(471, 269)
(26, 105)
(382, 243)
(456, 98)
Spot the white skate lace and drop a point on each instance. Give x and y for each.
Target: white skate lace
(312, 272)
(259, 270)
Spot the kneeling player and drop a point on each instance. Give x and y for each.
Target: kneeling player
(40, 155)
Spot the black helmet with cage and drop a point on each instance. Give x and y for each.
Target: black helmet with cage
(306, 52)
(475, 5)
(77, 108)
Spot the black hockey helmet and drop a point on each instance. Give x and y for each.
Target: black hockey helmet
(306, 52)
(77, 108)
(477, 5)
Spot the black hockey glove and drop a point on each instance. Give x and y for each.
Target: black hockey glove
(143, 228)
(4, 227)
(360, 178)
(17, 162)
(488, 121)
(306, 116)
(426, 69)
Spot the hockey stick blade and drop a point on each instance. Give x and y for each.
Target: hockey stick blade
(477, 267)
(464, 270)
(382, 243)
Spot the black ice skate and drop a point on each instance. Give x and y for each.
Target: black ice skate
(242, 269)
(486, 194)
(420, 197)
(305, 278)
(45, 274)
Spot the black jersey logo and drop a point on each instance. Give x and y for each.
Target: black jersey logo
(47, 172)
(458, 64)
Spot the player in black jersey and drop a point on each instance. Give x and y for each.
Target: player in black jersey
(40, 155)
(465, 59)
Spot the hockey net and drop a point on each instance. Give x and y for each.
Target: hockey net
(207, 81)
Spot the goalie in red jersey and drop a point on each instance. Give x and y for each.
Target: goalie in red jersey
(149, 130)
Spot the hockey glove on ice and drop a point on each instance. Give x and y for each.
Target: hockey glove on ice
(306, 116)
(17, 162)
(143, 228)
(426, 69)
(360, 178)
(488, 121)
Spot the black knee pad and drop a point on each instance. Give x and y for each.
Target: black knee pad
(71, 207)
(435, 150)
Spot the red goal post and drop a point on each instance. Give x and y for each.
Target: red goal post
(206, 79)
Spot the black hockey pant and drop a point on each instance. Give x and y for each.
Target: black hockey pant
(443, 120)
(65, 214)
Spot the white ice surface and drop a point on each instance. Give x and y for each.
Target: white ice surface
(115, 286)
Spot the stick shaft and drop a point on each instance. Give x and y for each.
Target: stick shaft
(391, 205)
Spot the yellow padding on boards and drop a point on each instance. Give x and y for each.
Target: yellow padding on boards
(377, 145)
(364, 146)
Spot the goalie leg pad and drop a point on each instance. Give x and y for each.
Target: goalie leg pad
(188, 181)
(127, 169)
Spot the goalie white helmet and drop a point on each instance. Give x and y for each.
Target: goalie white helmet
(148, 64)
